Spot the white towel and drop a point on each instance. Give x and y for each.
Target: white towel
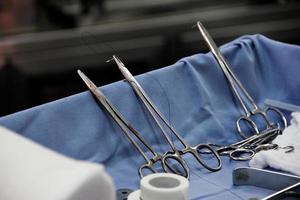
(279, 159)
(29, 171)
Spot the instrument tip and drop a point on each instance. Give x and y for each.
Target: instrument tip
(86, 80)
(82, 75)
(200, 25)
(109, 60)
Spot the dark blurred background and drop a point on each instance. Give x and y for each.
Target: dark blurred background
(43, 42)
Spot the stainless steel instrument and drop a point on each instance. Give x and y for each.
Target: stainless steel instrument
(286, 185)
(242, 95)
(129, 131)
(160, 119)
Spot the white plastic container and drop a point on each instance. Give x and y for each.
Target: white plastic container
(31, 171)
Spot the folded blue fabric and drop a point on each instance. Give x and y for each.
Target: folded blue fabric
(193, 94)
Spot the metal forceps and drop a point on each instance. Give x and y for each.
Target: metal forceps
(175, 154)
(128, 130)
(240, 91)
(247, 148)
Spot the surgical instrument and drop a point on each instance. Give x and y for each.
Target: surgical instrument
(287, 184)
(129, 130)
(282, 105)
(154, 111)
(247, 148)
(240, 92)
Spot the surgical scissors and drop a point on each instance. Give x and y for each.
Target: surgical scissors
(237, 86)
(247, 148)
(128, 130)
(175, 154)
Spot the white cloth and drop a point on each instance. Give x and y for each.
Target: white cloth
(279, 159)
(29, 171)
